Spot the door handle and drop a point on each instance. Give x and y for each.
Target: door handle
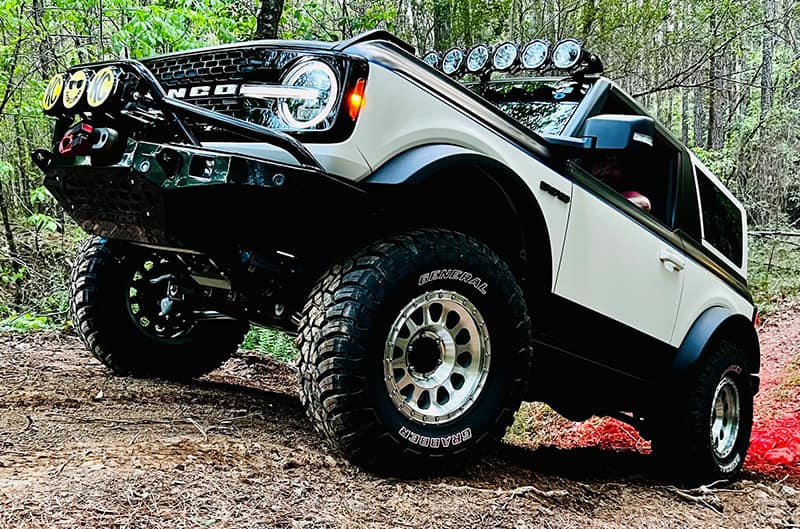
(672, 261)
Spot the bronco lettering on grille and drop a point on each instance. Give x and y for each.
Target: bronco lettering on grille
(204, 91)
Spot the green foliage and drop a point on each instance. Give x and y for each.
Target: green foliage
(26, 322)
(317, 21)
(40, 222)
(277, 344)
(10, 277)
(774, 273)
(41, 196)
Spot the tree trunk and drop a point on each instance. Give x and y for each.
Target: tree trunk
(685, 116)
(465, 22)
(699, 116)
(766, 56)
(513, 27)
(442, 24)
(12, 246)
(24, 182)
(588, 14)
(670, 110)
(267, 19)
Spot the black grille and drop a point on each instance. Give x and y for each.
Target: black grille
(225, 66)
(221, 66)
(254, 64)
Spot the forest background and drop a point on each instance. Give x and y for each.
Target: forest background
(723, 75)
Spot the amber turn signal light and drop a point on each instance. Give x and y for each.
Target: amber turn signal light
(355, 101)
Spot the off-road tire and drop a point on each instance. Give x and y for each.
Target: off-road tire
(343, 334)
(99, 278)
(682, 442)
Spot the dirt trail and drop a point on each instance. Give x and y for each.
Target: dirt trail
(80, 448)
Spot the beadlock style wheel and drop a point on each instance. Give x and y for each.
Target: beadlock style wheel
(725, 416)
(129, 313)
(415, 352)
(150, 301)
(437, 357)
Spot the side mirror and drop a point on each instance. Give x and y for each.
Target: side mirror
(619, 131)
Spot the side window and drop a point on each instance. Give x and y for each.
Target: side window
(722, 220)
(645, 175)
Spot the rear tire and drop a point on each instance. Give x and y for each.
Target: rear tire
(100, 308)
(705, 436)
(415, 352)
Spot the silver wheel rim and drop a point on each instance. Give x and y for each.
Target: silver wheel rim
(725, 417)
(437, 357)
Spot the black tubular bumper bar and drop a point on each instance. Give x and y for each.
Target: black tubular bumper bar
(179, 109)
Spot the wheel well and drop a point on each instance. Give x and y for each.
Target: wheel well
(739, 329)
(484, 200)
(717, 323)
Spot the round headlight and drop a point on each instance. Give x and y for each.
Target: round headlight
(452, 62)
(74, 89)
(567, 54)
(431, 59)
(535, 54)
(102, 86)
(322, 90)
(478, 58)
(53, 92)
(504, 56)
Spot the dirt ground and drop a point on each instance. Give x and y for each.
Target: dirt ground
(80, 448)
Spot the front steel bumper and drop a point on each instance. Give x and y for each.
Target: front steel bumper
(195, 198)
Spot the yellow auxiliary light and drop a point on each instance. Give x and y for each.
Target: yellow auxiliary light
(102, 86)
(53, 92)
(74, 89)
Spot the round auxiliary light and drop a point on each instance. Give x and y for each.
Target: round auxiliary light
(478, 58)
(102, 86)
(74, 89)
(505, 55)
(431, 59)
(53, 92)
(567, 54)
(319, 82)
(453, 61)
(535, 54)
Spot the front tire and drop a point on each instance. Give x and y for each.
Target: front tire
(114, 294)
(705, 437)
(415, 352)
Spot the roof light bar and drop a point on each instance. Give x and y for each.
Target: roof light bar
(567, 54)
(432, 59)
(537, 54)
(478, 58)
(453, 61)
(505, 56)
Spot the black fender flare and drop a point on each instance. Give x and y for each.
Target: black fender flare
(418, 164)
(423, 163)
(713, 322)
